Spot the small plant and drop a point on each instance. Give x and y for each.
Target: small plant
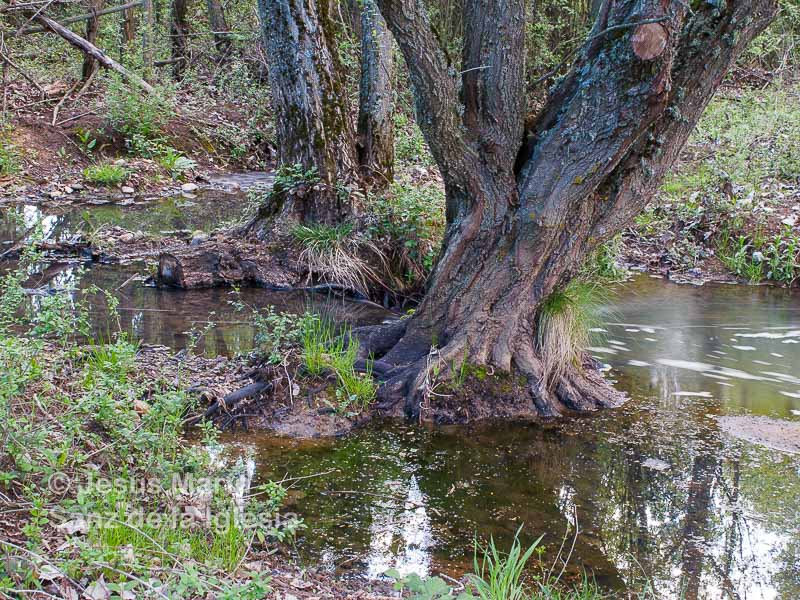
(334, 254)
(289, 176)
(496, 575)
(106, 174)
(131, 112)
(175, 163)
(566, 318)
(9, 155)
(86, 140)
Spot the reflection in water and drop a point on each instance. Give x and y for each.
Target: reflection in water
(659, 493)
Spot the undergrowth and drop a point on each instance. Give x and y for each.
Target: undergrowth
(106, 495)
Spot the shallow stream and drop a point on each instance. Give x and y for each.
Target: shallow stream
(659, 494)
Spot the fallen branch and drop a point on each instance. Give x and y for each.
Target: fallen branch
(85, 17)
(88, 48)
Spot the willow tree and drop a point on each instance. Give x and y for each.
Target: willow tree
(310, 102)
(525, 206)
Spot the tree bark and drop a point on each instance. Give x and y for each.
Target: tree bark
(128, 28)
(375, 117)
(311, 112)
(524, 209)
(89, 63)
(179, 28)
(219, 27)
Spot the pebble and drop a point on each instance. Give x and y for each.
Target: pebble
(189, 187)
(127, 189)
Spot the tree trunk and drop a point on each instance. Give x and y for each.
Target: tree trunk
(219, 27)
(89, 63)
(311, 111)
(179, 28)
(524, 209)
(375, 117)
(128, 29)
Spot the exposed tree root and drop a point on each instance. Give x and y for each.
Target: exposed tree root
(447, 385)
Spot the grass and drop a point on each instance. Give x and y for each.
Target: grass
(90, 413)
(106, 174)
(335, 255)
(566, 318)
(10, 162)
(501, 575)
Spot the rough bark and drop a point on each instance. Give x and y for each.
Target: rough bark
(311, 113)
(179, 28)
(128, 28)
(219, 27)
(92, 24)
(523, 216)
(375, 117)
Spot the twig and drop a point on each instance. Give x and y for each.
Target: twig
(63, 99)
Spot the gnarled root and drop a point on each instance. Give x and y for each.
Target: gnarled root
(452, 384)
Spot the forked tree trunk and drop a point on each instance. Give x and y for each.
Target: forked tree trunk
(525, 208)
(179, 28)
(375, 116)
(219, 27)
(310, 104)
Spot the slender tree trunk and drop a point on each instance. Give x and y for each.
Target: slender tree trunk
(179, 27)
(375, 116)
(311, 112)
(219, 26)
(524, 209)
(89, 63)
(128, 28)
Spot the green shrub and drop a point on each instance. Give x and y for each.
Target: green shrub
(9, 154)
(133, 112)
(106, 174)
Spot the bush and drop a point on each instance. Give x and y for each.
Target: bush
(106, 174)
(9, 155)
(131, 112)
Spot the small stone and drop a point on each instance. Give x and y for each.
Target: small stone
(126, 238)
(141, 407)
(758, 256)
(198, 237)
(68, 190)
(76, 186)
(189, 187)
(188, 196)
(120, 162)
(127, 189)
(790, 221)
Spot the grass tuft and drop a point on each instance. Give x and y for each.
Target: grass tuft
(106, 174)
(566, 318)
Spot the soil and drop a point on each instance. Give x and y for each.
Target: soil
(53, 159)
(776, 434)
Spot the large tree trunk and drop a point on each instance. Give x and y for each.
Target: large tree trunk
(311, 112)
(523, 216)
(179, 28)
(375, 116)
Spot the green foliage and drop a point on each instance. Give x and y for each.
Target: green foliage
(278, 333)
(9, 154)
(106, 174)
(756, 257)
(408, 223)
(409, 143)
(87, 140)
(499, 576)
(175, 163)
(289, 176)
(132, 112)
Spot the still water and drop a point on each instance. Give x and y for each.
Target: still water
(659, 495)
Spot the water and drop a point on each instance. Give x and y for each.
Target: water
(660, 495)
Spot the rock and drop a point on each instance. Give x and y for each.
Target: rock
(188, 196)
(127, 189)
(198, 237)
(656, 465)
(74, 526)
(120, 162)
(68, 189)
(126, 238)
(790, 221)
(189, 187)
(76, 186)
(141, 407)
(758, 256)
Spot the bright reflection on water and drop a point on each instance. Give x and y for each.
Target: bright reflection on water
(659, 493)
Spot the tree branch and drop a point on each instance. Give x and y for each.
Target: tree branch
(434, 85)
(493, 78)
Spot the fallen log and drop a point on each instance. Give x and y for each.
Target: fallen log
(215, 264)
(90, 49)
(84, 17)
